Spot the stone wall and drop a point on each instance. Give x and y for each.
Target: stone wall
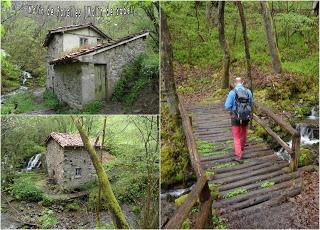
(67, 83)
(77, 158)
(55, 49)
(54, 161)
(117, 58)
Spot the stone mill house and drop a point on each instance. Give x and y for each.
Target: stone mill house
(68, 162)
(84, 64)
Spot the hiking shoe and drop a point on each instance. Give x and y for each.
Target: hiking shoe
(237, 160)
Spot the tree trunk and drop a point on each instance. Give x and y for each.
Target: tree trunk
(246, 42)
(224, 45)
(117, 216)
(274, 52)
(99, 190)
(167, 66)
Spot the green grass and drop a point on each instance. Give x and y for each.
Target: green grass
(266, 184)
(93, 107)
(225, 165)
(209, 173)
(235, 192)
(18, 103)
(205, 148)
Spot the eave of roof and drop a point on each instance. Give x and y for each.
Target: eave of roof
(99, 48)
(62, 29)
(67, 140)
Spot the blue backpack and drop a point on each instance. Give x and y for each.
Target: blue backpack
(243, 110)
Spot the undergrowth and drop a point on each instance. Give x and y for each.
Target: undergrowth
(143, 71)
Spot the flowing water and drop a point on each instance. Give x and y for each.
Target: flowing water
(175, 193)
(314, 114)
(34, 162)
(307, 134)
(23, 79)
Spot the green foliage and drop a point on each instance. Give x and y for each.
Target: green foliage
(72, 207)
(266, 184)
(93, 107)
(50, 99)
(209, 174)
(25, 189)
(186, 224)
(10, 74)
(225, 165)
(136, 209)
(180, 199)
(48, 219)
(307, 157)
(214, 191)
(143, 71)
(235, 192)
(47, 201)
(205, 148)
(218, 222)
(18, 103)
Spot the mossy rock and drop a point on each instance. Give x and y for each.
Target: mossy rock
(307, 157)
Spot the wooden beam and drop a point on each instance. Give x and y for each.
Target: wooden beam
(277, 119)
(296, 153)
(183, 211)
(192, 146)
(273, 134)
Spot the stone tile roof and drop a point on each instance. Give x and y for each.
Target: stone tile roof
(69, 140)
(62, 29)
(89, 49)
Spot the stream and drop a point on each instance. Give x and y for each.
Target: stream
(22, 88)
(309, 135)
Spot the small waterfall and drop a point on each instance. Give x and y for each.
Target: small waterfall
(34, 162)
(307, 138)
(314, 114)
(176, 193)
(24, 77)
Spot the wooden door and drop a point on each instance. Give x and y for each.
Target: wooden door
(100, 82)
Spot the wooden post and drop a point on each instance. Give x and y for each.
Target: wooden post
(296, 152)
(190, 119)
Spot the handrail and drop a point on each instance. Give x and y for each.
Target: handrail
(201, 190)
(192, 146)
(295, 149)
(184, 209)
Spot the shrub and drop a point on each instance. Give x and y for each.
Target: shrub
(47, 201)
(50, 99)
(72, 207)
(93, 107)
(139, 73)
(18, 103)
(48, 219)
(24, 189)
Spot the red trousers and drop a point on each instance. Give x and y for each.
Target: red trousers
(239, 133)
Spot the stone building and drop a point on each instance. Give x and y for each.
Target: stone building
(68, 162)
(84, 64)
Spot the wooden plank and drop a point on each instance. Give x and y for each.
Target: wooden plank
(296, 153)
(277, 119)
(273, 134)
(204, 215)
(249, 174)
(254, 193)
(276, 179)
(251, 180)
(183, 211)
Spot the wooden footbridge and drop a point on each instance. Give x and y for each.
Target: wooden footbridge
(261, 181)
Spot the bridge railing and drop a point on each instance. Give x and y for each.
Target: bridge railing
(200, 192)
(295, 148)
